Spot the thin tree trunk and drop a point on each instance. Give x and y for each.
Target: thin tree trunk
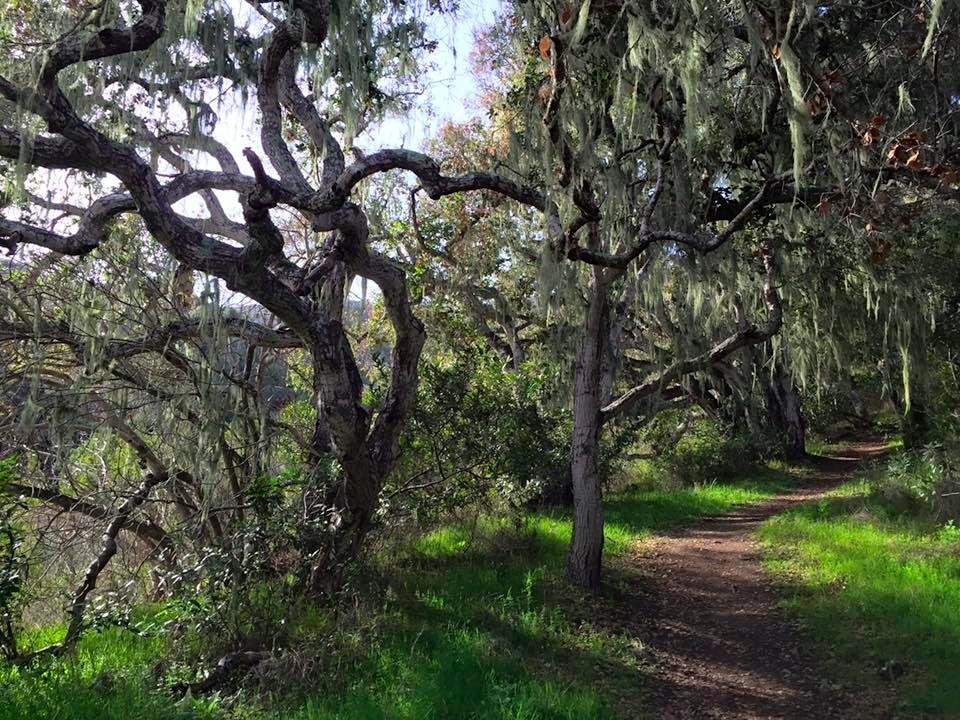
(586, 547)
(78, 606)
(916, 422)
(786, 414)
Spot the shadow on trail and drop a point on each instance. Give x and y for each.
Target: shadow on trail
(722, 647)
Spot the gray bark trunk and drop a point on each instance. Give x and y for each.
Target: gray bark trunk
(586, 546)
(786, 414)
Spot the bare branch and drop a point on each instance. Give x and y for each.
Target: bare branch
(146, 530)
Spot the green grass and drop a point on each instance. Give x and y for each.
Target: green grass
(875, 589)
(105, 678)
(822, 447)
(471, 623)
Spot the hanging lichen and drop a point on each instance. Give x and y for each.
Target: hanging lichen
(797, 114)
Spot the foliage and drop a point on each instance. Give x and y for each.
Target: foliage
(869, 341)
(924, 482)
(13, 566)
(481, 433)
(655, 186)
(472, 619)
(707, 453)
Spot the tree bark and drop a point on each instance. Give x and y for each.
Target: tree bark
(786, 414)
(916, 422)
(586, 546)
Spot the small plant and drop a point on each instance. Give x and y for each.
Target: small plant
(950, 532)
(925, 483)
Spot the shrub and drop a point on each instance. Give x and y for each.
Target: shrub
(13, 567)
(479, 433)
(925, 482)
(707, 453)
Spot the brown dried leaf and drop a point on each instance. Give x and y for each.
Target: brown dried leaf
(898, 154)
(912, 138)
(834, 78)
(816, 103)
(951, 176)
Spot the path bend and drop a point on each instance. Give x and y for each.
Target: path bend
(723, 648)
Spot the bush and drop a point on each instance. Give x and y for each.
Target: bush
(13, 567)
(926, 482)
(479, 433)
(709, 454)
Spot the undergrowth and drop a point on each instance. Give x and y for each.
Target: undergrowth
(472, 621)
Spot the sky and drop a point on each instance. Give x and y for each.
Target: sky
(451, 93)
(450, 87)
(452, 90)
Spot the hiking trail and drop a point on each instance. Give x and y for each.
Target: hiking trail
(723, 648)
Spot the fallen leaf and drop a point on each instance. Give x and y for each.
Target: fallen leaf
(950, 177)
(912, 138)
(834, 78)
(897, 153)
(816, 103)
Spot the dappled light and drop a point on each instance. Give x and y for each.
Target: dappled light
(513, 360)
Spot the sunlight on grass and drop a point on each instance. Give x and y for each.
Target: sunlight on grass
(481, 627)
(104, 679)
(473, 622)
(875, 590)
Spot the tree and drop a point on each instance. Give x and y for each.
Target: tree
(247, 257)
(672, 130)
(644, 137)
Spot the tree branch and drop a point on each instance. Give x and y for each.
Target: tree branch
(146, 530)
(750, 335)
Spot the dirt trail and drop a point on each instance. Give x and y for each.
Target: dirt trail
(723, 648)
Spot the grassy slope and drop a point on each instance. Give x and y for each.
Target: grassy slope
(880, 594)
(475, 624)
